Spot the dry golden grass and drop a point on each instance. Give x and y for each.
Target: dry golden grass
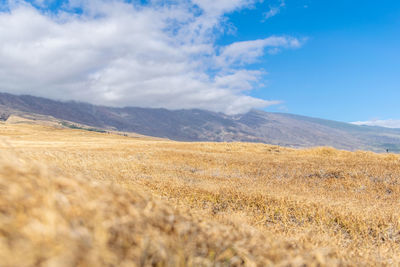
(71, 197)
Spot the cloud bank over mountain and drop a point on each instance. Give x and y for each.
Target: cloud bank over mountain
(117, 53)
(390, 123)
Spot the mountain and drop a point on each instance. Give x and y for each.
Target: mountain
(201, 125)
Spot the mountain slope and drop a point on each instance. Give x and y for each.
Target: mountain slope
(201, 125)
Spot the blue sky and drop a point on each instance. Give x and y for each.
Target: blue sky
(336, 59)
(349, 68)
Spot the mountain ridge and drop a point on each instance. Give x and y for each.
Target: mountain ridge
(283, 129)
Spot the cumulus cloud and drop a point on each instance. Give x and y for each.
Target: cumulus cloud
(390, 123)
(129, 54)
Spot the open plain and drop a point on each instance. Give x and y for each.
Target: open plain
(79, 198)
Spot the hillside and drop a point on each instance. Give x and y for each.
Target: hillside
(72, 197)
(200, 125)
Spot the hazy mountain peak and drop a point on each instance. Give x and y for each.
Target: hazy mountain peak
(202, 125)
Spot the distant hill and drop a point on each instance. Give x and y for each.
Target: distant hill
(201, 125)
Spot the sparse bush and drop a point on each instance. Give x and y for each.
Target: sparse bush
(74, 126)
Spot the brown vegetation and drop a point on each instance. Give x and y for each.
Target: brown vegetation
(72, 197)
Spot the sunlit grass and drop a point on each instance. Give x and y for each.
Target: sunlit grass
(143, 201)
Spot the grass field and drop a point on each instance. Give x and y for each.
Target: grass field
(72, 197)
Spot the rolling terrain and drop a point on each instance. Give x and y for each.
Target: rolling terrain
(201, 125)
(72, 197)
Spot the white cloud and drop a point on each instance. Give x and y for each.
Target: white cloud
(120, 54)
(249, 51)
(390, 123)
(219, 7)
(274, 10)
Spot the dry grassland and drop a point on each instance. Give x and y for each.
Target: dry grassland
(72, 197)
